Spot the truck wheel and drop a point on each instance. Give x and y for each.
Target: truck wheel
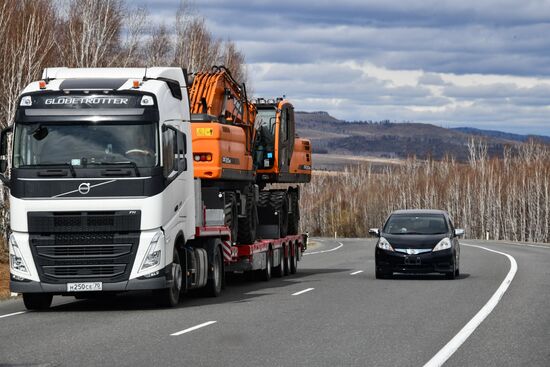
(170, 297)
(231, 214)
(266, 273)
(279, 203)
(37, 301)
(294, 217)
(248, 224)
(280, 269)
(294, 259)
(214, 285)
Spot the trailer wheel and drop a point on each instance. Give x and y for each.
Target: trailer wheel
(37, 301)
(280, 269)
(170, 297)
(266, 273)
(294, 259)
(287, 260)
(248, 224)
(214, 285)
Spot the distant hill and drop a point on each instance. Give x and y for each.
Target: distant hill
(393, 140)
(502, 135)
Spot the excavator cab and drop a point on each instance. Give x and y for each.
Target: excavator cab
(279, 156)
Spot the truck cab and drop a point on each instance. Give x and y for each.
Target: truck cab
(102, 185)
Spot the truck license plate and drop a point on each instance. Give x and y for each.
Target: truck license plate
(84, 287)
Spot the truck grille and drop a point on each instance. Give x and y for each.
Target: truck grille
(79, 246)
(84, 271)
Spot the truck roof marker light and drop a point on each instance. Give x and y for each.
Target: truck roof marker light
(42, 84)
(135, 84)
(26, 101)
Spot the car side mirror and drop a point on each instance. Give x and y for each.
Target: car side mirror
(459, 232)
(374, 232)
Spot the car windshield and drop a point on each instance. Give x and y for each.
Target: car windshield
(85, 143)
(416, 224)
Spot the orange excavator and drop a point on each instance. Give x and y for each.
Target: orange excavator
(237, 152)
(281, 157)
(222, 136)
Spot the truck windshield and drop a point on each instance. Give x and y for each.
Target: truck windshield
(85, 143)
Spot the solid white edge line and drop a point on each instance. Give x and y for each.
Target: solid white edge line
(320, 252)
(12, 314)
(304, 291)
(193, 328)
(452, 346)
(356, 272)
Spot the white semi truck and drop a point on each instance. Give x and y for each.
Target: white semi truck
(103, 196)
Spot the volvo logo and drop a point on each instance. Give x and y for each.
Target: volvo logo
(84, 188)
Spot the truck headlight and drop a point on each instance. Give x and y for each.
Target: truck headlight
(17, 262)
(154, 252)
(384, 244)
(444, 244)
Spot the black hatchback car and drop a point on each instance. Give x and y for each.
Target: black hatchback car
(417, 241)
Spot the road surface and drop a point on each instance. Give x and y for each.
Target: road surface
(333, 312)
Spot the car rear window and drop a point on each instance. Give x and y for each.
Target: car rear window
(416, 224)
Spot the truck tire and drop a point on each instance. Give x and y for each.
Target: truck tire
(214, 285)
(294, 259)
(170, 297)
(294, 216)
(279, 203)
(37, 301)
(231, 214)
(248, 224)
(266, 272)
(280, 269)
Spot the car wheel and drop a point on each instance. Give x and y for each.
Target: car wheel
(452, 273)
(380, 274)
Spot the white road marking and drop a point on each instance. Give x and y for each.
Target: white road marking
(526, 244)
(194, 328)
(452, 346)
(356, 272)
(301, 292)
(320, 252)
(12, 314)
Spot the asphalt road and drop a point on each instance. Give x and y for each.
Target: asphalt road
(328, 314)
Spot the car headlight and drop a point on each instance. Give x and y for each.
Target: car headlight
(444, 244)
(17, 262)
(154, 252)
(384, 244)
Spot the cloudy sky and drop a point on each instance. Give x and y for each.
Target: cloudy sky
(478, 63)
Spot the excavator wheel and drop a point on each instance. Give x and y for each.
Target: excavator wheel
(231, 214)
(279, 203)
(248, 224)
(294, 217)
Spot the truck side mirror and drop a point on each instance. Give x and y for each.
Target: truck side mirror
(3, 154)
(4, 140)
(374, 232)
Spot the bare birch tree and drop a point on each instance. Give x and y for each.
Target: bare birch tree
(91, 33)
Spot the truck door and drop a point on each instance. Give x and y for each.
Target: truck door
(285, 150)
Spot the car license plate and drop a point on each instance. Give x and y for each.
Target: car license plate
(84, 287)
(412, 260)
